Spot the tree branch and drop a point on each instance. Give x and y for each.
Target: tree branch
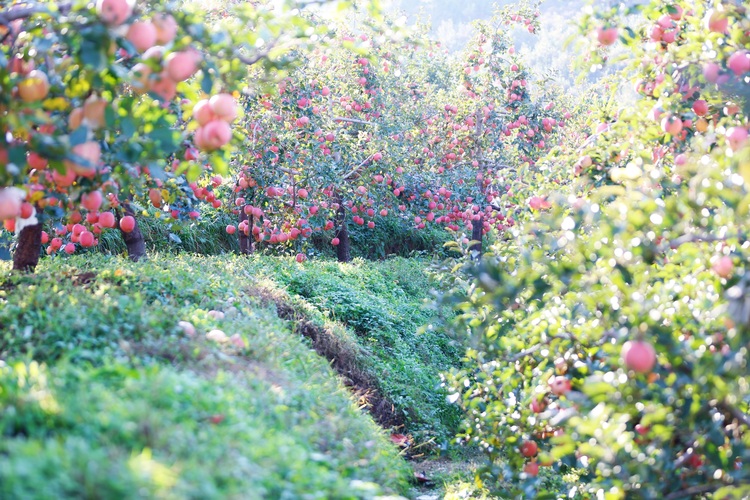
(692, 491)
(286, 170)
(531, 350)
(695, 238)
(734, 412)
(16, 13)
(526, 352)
(351, 120)
(262, 54)
(356, 169)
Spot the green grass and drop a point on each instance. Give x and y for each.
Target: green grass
(390, 237)
(378, 311)
(103, 396)
(207, 236)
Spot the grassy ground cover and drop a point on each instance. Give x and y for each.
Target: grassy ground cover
(207, 236)
(376, 314)
(103, 395)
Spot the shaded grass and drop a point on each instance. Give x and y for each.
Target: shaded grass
(207, 236)
(377, 311)
(204, 236)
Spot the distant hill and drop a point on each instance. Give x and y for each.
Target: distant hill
(451, 24)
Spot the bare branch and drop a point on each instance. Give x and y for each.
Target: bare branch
(286, 170)
(734, 412)
(527, 352)
(692, 491)
(351, 120)
(16, 13)
(695, 238)
(262, 54)
(536, 347)
(356, 169)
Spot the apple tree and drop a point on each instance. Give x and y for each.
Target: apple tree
(324, 149)
(489, 128)
(103, 103)
(609, 335)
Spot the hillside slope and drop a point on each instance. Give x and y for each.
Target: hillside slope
(103, 395)
(451, 24)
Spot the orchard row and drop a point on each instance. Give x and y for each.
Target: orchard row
(134, 108)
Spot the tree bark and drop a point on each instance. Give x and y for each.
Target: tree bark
(134, 241)
(343, 250)
(28, 248)
(246, 241)
(477, 234)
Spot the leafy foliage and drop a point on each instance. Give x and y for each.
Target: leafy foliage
(610, 331)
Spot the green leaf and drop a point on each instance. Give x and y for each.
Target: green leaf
(166, 139)
(109, 116)
(93, 55)
(626, 275)
(79, 136)
(127, 126)
(207, 83)
(5, 241)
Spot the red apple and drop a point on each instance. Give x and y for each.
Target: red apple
(559, 385)
(166, 28)
(87, 239)
(538, 406)
(214, 135)
(90, 153)
(163, 86)
(638, 356)
(736, 137)
(607, 36)
(127, 223)
(92, 201)
(182, 65)
(142, 34)
(739, 62)
(531, 468)
(11, 200)
(34, 87)
(700, 107)
(114, 12)
(107, 219)
(672, 125)
(529, 449)
(724, 266)
(716, 21)
(224, 107)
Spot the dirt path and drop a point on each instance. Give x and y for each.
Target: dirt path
(445, 476)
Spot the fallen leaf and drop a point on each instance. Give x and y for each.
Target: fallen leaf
(400, 440)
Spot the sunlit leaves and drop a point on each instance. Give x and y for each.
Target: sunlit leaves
(654, 208)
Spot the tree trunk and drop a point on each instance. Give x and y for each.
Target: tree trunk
(134, 239)
(28, 248)
(343, 250)
(477, 235)
(246, 241)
